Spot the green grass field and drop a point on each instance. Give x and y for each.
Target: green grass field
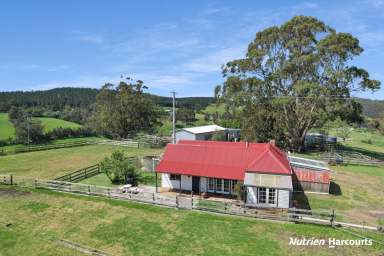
(39, 218)
(7, 129)
(57, 162)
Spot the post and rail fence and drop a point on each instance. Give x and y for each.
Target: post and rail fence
(81, 174)
(188, 202)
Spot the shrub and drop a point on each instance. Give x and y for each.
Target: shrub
(121, 169)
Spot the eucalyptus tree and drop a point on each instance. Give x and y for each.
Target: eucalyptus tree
(124, 109)
(294, 77)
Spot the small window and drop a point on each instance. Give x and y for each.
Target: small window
(262, 195)
(175, 177)
(272, 196)
(219, 184)
(226, 186)
(211, 184)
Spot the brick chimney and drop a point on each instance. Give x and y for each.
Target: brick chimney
(272, 142)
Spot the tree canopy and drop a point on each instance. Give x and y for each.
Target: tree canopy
(124, 109)
(294, 77)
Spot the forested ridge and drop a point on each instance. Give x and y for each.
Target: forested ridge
(58, 98)
(372, 108)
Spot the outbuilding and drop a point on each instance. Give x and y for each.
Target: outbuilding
(310, 175)
(206, 132)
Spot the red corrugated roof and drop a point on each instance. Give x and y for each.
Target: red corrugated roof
(227, 160)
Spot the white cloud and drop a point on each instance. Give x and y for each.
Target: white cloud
(32, 67)
(213, 61)
(58, 68)
(95, 39)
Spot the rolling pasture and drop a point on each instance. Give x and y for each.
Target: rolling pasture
(7, 130)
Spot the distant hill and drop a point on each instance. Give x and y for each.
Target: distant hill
(55, 99)
(372, 108)
(186, 102)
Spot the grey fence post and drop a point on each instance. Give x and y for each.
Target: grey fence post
(177, 201)
(153, 197)
(333, 218)
(11, 179)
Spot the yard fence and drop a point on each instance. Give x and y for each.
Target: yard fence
(53, 146)
(125, 143)
(183, 201)
(349, 157)
(81, 174)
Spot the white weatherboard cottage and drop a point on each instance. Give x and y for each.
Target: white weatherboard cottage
(216, 167)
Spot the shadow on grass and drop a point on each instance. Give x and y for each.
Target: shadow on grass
(300, 200)
(335, 189)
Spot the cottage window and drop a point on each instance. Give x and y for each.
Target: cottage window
(262, 195)
(272, 196)
(211, 184)
(226, 186)
(219, 185)
(175, 177)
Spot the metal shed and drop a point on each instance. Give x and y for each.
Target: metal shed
(309, 175)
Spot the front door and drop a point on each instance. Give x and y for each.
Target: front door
(196, 184)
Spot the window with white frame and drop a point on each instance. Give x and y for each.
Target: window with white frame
(219, 185)
(272, 196)
(262, 195)
(226, 186)
(211, 184)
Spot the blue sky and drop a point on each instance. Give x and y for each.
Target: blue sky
(170, 45)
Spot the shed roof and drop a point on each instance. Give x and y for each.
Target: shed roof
(226, 160)
(204, 129)
(308, 163)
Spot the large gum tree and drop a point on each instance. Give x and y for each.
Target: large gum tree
(294, 77)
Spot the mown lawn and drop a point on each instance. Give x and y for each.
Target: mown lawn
(39, 218)
(57, 162)
(7, 130)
